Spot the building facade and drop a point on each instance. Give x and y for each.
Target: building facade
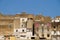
(29, 26)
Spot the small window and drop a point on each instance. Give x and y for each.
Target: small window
(54, 27)
(22, 30)
(32, 37)
(16, 30)
(42, 35)
(48, 35)
(31, 18)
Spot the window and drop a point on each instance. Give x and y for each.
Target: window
(16, 30)
(42, 35)
(31, 18)
(22, 30)
(54, 27)
(48, 35)
(32, 37)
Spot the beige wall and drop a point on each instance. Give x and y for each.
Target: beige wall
(17, 22)
(4, 26)
(29, 23)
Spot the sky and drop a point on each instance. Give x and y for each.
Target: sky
(36, 7)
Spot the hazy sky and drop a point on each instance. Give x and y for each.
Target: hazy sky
(45, 7)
